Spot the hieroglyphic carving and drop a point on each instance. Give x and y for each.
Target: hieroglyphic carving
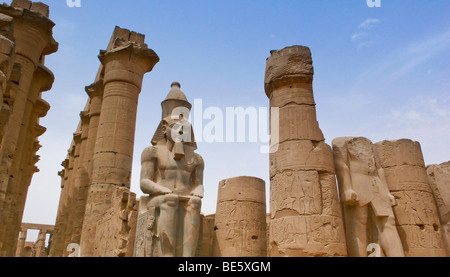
(296, 193)
(303, 235)
(240, 220)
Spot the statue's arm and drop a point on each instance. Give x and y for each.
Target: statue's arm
(382, 176)
(348, 194)
(148, 170)
(197, 178)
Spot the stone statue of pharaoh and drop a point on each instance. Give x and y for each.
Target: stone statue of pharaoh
(365, 194)
(172, 175)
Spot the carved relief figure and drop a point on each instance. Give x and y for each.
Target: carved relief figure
(364, 193)
(172, 174)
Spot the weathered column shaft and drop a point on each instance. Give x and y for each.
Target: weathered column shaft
(7, 57)
(240, 220)
(73, 188)
(56, 249)
(80, 181)
(66, 206)
(40, 245)
(22, 167)
(95, 92)
(416, 213)
(30, 148)
(306, 218)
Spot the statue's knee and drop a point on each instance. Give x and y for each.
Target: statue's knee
(170, 200)
(195, 203)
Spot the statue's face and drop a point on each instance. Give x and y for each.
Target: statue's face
(178, 131)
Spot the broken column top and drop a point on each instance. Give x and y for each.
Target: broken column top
(290, 65)
(38, 7)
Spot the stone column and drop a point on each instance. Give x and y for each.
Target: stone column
(439, 177)
(21, 168)
(58, 236)
(73, 188)
(21, 243)
(66, 207)
(80, 180)
(33, 38)
(416, 214)
(90, 119)
(306, 218)
(40, 244)
(240, 221)
(34, 131)
(124, 67)
(7, 57)
(8, 99)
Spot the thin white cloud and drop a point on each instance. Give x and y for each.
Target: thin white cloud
(402, 61)
(364, 38)
(358, 36)
(417, 53)
(369, 23)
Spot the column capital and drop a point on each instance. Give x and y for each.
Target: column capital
(39, 130)
(95, 89)
(36, 159)
(33, 30)
(43, 78)
(36, 145)
(77, 138)
(65, 164)
(127, 62)
(41, 108)
(84, 116)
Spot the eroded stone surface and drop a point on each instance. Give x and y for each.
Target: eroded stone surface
(240, 220)
(366, 198)
(25, 38)
(417, 213)
(439, 177)
(306, 219)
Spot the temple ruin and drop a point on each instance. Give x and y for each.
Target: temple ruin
(26, 38)
(354, 198)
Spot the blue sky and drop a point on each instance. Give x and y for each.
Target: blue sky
(382, 73)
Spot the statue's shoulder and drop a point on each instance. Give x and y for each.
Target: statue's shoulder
(150, 153)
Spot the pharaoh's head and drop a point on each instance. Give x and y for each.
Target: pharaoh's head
(175, 126)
